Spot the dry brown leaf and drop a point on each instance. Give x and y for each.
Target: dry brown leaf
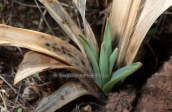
(81, 5)
(129, 25)
(118, 19)
(46, 44)
(67, 93)
(149, 11)
(35, 62)
(125, 38)
(64, 20)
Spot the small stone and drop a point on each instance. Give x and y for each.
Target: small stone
(30, 93)
(87, 108)
(1, 82)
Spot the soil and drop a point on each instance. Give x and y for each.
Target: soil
(147, 90)
(156, 94)
(122, 101)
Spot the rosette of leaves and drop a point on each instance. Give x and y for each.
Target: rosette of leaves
(103, 65)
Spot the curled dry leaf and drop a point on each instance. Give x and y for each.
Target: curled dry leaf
(149, 11)
(118, 19)
(130, 23)
(64, 20)
(67, 93)
(81, 5)
(46, 44)
(125, 36)
(35, 62)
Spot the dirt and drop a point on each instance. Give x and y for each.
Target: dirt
(157, 93)
(122, 101)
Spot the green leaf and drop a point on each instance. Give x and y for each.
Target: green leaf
(93, 60)
(103, 64)
(120, 74)
(112, 60)
(94, 52)
(19, 110)
(1, 6)
(107, 38)
(37, 74)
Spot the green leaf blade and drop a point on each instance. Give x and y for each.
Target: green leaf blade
(93, 50)
(37, 75)
(120, 74)
(112, 60)
(19, 110)
(107, 38)
(1, 7)
(103, 64)
(93, 60)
